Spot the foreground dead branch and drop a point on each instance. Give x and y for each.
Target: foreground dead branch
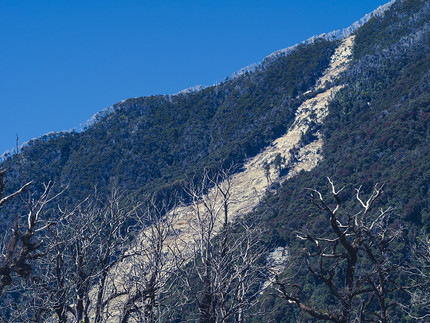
(222, 275)
(21, 244)
(353, 261)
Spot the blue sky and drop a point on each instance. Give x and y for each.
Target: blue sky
(63, 61)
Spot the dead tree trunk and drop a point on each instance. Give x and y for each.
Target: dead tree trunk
(356, 248)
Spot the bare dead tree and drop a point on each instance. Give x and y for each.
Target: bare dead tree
(97, 238)
(92, 271)
(352, 261)
(21, 245)
(419, 290)
(72, 281)
(150, 271)
(223, 268)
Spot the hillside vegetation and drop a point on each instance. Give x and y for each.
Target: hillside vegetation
(153, 142)
(376, 131)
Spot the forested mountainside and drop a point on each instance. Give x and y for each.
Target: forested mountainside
(377, 131)
(378, 126)
(152, 142)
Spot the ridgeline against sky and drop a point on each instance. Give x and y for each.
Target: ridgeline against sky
(64, 61)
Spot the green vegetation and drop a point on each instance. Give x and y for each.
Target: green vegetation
(377, 130)
(156, 143)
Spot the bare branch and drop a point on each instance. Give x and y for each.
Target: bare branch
(367, 285)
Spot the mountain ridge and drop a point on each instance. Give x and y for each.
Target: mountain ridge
(336, 34)
(365, 125)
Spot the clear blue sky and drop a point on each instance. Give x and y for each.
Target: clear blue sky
(63, 61)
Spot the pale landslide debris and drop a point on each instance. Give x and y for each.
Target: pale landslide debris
(250, 185)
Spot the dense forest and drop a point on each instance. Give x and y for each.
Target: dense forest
(376, 132)
(153, 142)
(367, 227)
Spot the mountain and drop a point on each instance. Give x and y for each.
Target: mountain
(156, 142)
(158, 137)
(375, 129)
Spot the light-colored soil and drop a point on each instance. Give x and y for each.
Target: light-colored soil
(250, 185)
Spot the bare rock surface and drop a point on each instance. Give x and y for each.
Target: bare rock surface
(248, 187)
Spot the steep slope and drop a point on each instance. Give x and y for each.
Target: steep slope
(147, 143)
(157, 144)
(376, 131)
(361, 123)
(248, 186)
(251, 184)
(152, 142)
